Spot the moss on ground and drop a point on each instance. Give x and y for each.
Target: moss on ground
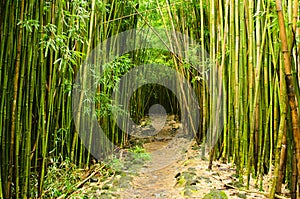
(215, 194)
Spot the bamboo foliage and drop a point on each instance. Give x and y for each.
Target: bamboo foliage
(254, 127)
(42, 46)
(254, 45)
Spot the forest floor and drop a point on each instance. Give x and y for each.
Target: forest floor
(175, 169)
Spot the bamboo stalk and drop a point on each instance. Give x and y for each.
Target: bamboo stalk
(289, 82)
(14, 105)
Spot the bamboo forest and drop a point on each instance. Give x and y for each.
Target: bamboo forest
(150, 99)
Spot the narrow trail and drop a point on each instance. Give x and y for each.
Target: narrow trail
(156, 179)
(177, 170)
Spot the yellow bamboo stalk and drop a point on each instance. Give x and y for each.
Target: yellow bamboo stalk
(289, 82)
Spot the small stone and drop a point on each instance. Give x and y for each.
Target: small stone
(241, 195)
(187, 192)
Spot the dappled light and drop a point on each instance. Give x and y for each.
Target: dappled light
(149, 99)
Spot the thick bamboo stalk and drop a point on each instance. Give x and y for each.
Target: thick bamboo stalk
(16, 89)
(289, 82)
(251, 88)
(282, 126)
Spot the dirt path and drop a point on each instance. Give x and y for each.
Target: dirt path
(186, 177)
(177, 170)
(156, 179)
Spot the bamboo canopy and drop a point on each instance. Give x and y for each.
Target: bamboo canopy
(251, 49)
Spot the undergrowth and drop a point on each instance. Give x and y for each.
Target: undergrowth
(66, 180)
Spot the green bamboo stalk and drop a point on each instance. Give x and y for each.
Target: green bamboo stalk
(212, 56)
(243, 86)
(224, 78)
(5, 37)
(267, 90)
(249, 10)
(19, 129)
(14, 123)
(203, 90)
(235, 37)
(31, 78)
(283, 110)
(42, 119)
(89, 48)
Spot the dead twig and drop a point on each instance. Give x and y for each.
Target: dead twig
(80, 184)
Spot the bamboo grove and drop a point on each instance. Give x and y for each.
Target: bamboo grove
(253, 44)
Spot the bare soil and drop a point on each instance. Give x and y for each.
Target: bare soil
(176, 170)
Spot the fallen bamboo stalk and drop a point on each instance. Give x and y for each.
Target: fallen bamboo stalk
(80, 184)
